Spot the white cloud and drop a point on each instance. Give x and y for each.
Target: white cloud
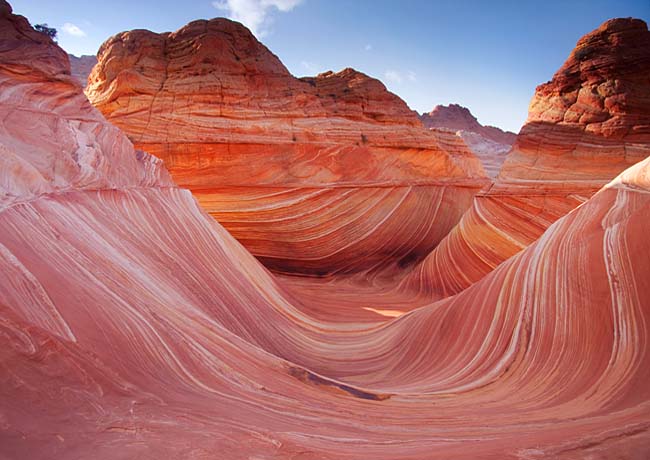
(73, 30)
(368, 47)
(310, 66)
(393, 76)
(255, 14)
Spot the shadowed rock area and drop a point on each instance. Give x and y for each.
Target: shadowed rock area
(80, 67)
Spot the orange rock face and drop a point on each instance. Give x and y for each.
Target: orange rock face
(324, 169)
(134, 326)
(592, 119)
(585, 126)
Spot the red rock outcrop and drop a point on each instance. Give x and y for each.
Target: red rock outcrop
(80, 67)
(585, 126)
(593, 118)
(488, 143)
(134, 326)
(323, 170)
(459, 118)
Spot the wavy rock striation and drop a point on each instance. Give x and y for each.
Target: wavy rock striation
(585, 126)
(134, 326)
(325, 168)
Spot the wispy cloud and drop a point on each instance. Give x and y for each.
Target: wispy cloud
(255, 14)
(310, 66)
(71, 29)
(368, 47)
(395, 76)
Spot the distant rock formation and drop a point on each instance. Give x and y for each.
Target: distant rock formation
(81, 67)
(459, 118)
(491, 154)
(489, 144)
(227, 118)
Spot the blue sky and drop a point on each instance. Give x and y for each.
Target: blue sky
(485, 55)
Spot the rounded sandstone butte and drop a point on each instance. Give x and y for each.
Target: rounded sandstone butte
(210, 90)
(314, 174)
(353, 94)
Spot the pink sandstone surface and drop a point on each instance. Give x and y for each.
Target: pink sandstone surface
(134, 326)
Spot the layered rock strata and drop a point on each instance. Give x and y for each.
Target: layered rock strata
(234, 126)
(133, 325)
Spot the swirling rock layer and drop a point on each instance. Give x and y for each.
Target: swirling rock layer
(53, 140)
(277, 224)
(133, 325)
(223, 113)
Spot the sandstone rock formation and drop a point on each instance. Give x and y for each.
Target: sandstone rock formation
(313, 174)
(459, 118)
(585, 126)
(491, 154)
(134, 326)
(81, 67)
(488, 143)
